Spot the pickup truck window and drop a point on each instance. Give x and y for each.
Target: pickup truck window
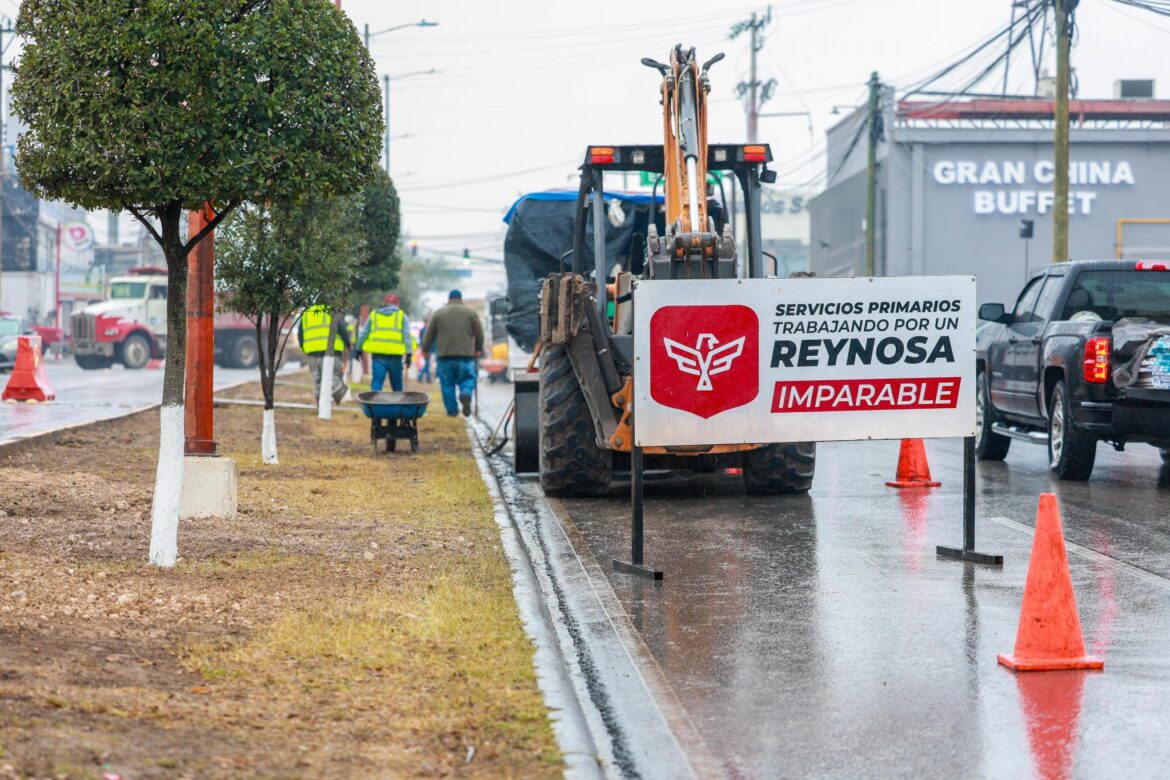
(1115, 295)
(1026, 303)
(1046, 305)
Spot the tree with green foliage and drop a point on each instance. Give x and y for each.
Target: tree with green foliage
(274, 262)
(383, 221)
(159, 107)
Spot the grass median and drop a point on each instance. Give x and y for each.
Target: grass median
(354, 620)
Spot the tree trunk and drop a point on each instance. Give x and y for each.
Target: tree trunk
(325, 399)
(269, 359)
(168, 481)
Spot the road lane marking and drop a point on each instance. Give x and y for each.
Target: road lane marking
(1093, 555)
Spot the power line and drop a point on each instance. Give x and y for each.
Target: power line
(489, 178)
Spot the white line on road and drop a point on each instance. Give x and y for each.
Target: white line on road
(1093, 555)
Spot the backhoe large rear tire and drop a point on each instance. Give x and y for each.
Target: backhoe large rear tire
(571, 462)
(780, 468)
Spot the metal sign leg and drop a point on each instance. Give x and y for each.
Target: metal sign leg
(635, 564)
(967, 553)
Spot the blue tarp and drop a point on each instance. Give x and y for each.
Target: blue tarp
(637, 198)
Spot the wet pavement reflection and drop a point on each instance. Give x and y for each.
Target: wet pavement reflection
(820, 635)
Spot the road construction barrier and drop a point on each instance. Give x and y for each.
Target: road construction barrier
(1049, 634)
(913, 468)
(28, 382)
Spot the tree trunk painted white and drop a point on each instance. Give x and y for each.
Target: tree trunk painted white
(168, 482)
(268, 438)
(325, 399)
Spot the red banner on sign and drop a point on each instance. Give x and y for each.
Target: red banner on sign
(854, 395)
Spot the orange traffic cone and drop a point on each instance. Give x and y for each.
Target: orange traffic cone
(1049, 634)
(28, 381)
(913, 470)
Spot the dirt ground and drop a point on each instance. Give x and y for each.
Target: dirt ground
(354, 620)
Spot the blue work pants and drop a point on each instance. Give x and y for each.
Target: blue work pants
(381, 365)
(456, 377)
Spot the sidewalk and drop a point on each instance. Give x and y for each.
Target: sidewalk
(355, 620)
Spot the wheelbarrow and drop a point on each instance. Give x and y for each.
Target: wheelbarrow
(394, 416)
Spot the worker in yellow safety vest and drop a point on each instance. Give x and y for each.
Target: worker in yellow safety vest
(313, 335)
(385, 337)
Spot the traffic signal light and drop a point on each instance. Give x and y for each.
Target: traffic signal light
(414, 249)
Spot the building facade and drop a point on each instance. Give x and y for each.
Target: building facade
(957, 181)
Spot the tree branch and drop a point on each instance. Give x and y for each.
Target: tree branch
(211, 225)
(145, 222)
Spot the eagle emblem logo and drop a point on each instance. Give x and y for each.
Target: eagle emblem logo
(704, 363)
(704, 360)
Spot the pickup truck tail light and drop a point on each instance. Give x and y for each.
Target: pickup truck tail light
(1097, 360)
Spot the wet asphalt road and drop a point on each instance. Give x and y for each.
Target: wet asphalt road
(821, 636)
(88, 396)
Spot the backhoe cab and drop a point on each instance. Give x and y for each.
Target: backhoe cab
(585, 399)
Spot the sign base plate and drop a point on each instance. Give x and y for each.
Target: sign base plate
(969, 555)
(637, 570)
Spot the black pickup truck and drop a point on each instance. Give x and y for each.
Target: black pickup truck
(1047, 371)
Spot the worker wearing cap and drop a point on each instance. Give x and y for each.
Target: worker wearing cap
(385, 336)
(456, 334)
(313, 335)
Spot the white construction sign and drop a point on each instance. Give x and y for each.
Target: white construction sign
(754, 361)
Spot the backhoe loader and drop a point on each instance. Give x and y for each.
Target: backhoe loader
(583, 406)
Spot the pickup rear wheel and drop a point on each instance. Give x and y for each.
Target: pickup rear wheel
(1071, 451)
(989, 445)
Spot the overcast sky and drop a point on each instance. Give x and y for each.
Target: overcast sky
(525, 86)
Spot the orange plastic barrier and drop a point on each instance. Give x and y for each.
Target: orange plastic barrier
(913, 469)
(28, 381)
(1049, 635)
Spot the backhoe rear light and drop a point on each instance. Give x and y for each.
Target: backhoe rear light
(601, 154)
(1096, 364)
(755, 153)
(1152, 265)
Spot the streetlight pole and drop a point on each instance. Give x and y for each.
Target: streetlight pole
(386, 100)
(386, 79)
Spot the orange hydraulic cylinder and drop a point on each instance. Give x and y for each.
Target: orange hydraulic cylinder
(200, 374)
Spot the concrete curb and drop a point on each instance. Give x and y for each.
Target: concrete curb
(552, 675)
(625, 721)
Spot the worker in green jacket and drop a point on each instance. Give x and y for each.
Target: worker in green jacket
(313, 335)
(456, 334)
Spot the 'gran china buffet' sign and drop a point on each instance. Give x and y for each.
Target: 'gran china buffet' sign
(998, 195)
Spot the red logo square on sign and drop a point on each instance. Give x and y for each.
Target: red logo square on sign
(704, 359)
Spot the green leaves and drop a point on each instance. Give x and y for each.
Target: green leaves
(383, 222)
(279, 260)
(157, 102)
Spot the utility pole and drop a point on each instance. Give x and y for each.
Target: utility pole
(874, 122)
(757, 93)
(1065, 10)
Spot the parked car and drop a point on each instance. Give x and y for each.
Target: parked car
(1076, 362)
(11, 328)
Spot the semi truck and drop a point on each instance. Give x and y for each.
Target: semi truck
(130, 326)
